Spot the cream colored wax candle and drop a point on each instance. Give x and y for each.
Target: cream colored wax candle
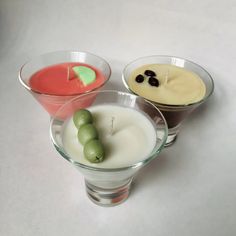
(176, 85)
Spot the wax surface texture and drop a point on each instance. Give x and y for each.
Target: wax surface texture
(177, 86)
(132, 140)
(55, 80)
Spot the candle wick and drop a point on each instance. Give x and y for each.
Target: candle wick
(112, 125)
(68, 73)
(167, 76)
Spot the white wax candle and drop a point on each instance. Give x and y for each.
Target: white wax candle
(132, 139)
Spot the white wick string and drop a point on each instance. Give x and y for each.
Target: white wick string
(68, 73)
(112, 125)
(167, 76)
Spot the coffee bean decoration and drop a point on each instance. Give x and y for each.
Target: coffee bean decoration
(153, 81)
(149, 73)
(139, 78)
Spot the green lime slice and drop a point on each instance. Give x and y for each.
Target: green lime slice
(85, 74)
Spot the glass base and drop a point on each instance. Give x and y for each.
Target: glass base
(170, 140)
(172, 135)
(108, 197)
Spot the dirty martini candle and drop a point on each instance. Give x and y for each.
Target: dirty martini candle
(130, 133)
(128, 136)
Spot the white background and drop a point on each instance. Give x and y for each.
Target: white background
(190, 189)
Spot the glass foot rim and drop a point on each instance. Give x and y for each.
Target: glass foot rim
(108, 197)
(170, 140)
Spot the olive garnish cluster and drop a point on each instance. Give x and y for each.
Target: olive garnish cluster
(150, 75)
(88, 136)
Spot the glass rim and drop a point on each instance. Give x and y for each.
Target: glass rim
(171, 57)
(20, 77)
(133, 166)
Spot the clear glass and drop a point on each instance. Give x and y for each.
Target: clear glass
(174, 114)
(53, 102)
(109, 186)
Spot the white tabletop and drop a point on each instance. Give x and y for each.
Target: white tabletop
(190, 189)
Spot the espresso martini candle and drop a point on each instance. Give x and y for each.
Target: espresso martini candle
(128, 136)
(174, 85)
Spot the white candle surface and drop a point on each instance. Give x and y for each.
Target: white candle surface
(132, 139)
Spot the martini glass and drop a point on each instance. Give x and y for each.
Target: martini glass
(110, 185)
(174, 114)
(52, 102)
